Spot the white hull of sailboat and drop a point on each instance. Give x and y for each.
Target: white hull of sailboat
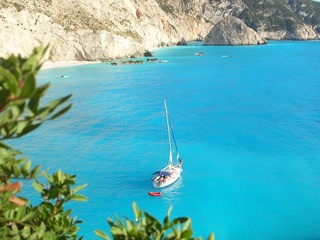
(161, 181)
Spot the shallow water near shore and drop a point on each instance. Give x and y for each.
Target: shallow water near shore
(246, 120)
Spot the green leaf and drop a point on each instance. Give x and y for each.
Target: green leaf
(79, 188)
(59, 176)
(14, 112)
(186, 234)
(42, 230)
(53, 193)
(4, 96)
(79, 198)
(49, 236)
(47, 205)
(178, 231)
(151, 220)
(25, 232)
(117, 231)
(29, 128)
(5, 197)
(29, 216)
(34, 172)
(16, 170)
(101, 234)
(21, 126)
(130, 225)
(167, 218)
(47, 176)
(20, 212)
(61, 112)
(28, 86)
(55, 103)
(26, 168)
(41, 90)
(33, 104)
(37, 186)
(14, 229)
(4, 146)
(111, 223)
(137, 211)
(211, 237)
(120, 223)
(180, 220)
(187, 224)
(11, 79)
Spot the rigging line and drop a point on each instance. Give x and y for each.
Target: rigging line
(169, 131)
(174, 139)
(162, 129)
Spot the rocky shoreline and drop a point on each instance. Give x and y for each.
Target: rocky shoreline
(104, 30)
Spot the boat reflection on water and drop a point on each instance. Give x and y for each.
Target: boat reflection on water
(173, 192)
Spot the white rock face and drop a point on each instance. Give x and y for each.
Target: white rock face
(21, 31)
(232, 31)
(304, 32)
(107, 29)
(96, 29)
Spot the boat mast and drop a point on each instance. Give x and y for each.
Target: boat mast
(168, 125)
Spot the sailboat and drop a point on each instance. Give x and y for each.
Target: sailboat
(170, 173)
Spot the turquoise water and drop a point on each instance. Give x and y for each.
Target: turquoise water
(246, 120)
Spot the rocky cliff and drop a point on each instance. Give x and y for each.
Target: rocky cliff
(232, 31)
(292, 19)
(107, 29)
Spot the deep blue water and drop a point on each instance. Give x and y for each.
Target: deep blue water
(246, 120)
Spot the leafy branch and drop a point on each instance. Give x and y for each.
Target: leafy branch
(22, 111)
(145, 227)
(20, 97)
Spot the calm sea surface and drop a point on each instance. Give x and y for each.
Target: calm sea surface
(247, 124)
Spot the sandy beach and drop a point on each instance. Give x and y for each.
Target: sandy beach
(61, 64)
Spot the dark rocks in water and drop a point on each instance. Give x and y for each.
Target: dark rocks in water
(148, 54)
(152, 60)
(132, 62)
(182, 42)
(127, 62)
(232, 31)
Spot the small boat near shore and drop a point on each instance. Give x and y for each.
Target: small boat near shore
(199, 54)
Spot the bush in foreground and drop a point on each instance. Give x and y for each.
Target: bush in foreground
(21, 112)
